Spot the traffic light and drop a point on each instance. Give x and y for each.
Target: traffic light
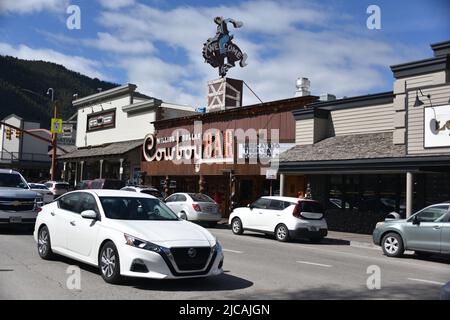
(18, 134)
(8, 133)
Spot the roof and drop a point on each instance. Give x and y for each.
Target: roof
(110, 149)
(289, 199)
(356, 146)
(244, 111)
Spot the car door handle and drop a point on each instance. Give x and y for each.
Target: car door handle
(73, 223)
(52, 213)
(437, 227)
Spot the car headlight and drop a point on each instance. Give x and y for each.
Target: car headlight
(379, 225)
(217, 247)
(142, 244)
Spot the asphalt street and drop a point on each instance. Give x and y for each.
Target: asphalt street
(256, 267)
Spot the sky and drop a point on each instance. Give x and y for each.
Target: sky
(157, 44)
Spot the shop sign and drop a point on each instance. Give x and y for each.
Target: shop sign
(258, 150)
(437, 126)
(271, 174)
(215, 147)
(221, 47)
(103, 120)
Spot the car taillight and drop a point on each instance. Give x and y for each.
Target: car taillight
(39, 209)
(296, 212)
(196, 207)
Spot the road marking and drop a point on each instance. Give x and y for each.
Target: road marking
(315, 264)
(234, 251)
(427, 281)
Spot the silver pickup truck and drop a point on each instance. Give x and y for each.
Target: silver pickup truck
(18, 204)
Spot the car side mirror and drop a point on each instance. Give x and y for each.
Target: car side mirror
(250, 206)
(89, 214)
(416, 220)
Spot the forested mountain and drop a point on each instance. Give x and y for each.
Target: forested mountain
(24, 84)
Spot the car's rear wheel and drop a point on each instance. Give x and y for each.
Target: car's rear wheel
(392, 245)
(44, 244)
(236, 226)
(109, 263)
(282, 233)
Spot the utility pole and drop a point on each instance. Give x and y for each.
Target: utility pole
(54, 136)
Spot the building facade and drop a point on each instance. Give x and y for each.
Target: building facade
(366, 156)
(237, 168)
(110, 127)
(24, 152)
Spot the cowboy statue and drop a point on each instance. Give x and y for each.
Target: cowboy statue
(216, 49)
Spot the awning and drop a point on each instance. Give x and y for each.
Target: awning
(371, 152)
(357, 146)
(105, 150)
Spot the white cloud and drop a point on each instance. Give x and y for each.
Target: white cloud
(31, 6)
(76, 63)
(110, 43)
(284, 40)
(116, 4)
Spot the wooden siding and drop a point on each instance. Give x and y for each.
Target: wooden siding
(304, 130)
(362, 120)
(439, 96)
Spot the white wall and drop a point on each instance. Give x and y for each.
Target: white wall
(128, 127)
(12, 145)
(31, 144)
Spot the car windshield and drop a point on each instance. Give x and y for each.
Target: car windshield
(38, 186)
(199, 197)
(12, 180)
(132, 208)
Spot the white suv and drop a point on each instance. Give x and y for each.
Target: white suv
(284, 217)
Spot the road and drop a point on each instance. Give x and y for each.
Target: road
(256, 267)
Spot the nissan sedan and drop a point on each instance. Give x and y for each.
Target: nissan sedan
(126, 234)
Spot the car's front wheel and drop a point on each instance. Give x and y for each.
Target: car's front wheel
(282, 233)
(44, 244)
(236, 226)
(392, 245)
(109, 263)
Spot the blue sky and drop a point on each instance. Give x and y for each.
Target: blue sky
(157, 44)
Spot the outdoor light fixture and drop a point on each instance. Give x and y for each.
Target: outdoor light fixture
(419, 102)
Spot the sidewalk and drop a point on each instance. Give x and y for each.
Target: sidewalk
(337, 237)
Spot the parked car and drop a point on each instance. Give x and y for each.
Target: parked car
(47, 195)
(284, 217)
(126, 234)
(195, 207)
(107, 184)
(18, 203)
(58, 188)
(427, 231)
(84, 184)
(144, 189)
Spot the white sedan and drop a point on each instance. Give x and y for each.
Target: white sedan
(284, 217)
(126, 234)
(194, 207)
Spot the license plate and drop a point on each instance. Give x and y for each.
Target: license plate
(15, 220)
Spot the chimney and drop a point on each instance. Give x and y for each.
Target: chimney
(327, 97)
(303, 85)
